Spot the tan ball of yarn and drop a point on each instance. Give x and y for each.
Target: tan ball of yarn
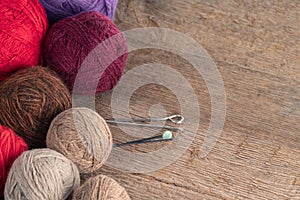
(100, 188)
(41, 174)
(83, 136)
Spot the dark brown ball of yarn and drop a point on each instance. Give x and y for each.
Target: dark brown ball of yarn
(29, 100)
(100, 188)
(83, 136)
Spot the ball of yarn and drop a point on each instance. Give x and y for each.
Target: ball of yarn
(100, 188)
(41, 174)
(23, 27)
(71, 40)
(59, 9)
(11, 146)
(29, 100)
(83, 136)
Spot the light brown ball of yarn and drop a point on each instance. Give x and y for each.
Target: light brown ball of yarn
(100, 188)
(83, 136)
(41, 174)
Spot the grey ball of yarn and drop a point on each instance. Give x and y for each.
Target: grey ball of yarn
(83, 136)
(100, 188)
(41, 174)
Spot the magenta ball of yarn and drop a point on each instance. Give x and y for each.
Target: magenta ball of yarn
(59, 9)
(87, 49)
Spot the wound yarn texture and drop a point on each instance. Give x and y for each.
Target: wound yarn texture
(100, 188)
(23, 26)
(29, 100)
(88, 40)
(11, 146)
(41, 174)
(83, 136)
(59, 9)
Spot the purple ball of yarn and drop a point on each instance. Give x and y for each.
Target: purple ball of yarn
(59, 9)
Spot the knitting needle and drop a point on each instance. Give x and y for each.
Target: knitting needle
(166, 136)
(176, 119)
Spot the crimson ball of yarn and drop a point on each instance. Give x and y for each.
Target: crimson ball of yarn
(88, 48)
(11, 146)
(59, 9)
(23, 26)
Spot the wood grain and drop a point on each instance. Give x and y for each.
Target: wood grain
(256, 47)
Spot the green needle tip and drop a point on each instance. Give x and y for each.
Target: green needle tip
(167, 135)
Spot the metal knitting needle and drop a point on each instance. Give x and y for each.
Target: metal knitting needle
(176, 119)
(166, 136)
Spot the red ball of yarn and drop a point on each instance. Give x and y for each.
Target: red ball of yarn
(74, 39)
(23, 26)
(11, 146)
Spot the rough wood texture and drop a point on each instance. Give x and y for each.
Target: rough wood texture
(255, 45)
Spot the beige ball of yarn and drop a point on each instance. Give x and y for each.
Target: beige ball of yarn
(41, 174)
(83, 136)
(100, 188)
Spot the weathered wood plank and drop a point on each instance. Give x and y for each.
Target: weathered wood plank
(256, 47)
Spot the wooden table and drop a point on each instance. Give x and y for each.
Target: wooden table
(256, 48)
